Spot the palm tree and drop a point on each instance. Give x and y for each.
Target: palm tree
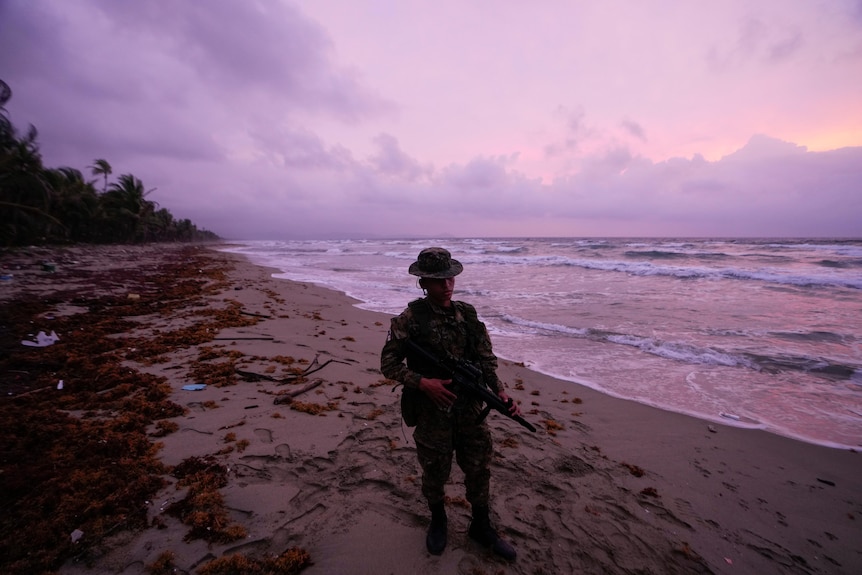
(5, 96)
(75, 202)
(102, 168)
(161, 225)
(25, 195)
(126, 204)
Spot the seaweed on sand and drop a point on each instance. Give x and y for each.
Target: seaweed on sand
(290, 562)
(203, 507)
(77, 463)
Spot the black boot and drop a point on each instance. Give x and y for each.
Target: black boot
(435, 541)
(482, 532)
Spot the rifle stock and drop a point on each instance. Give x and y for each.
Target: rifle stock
(466, 378)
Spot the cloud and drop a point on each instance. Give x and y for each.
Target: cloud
(175, 78)
(391, 161)
(634, 129)
(269, 119)
(575, 132)
(247, 47)
(745, 193)
(757, 42)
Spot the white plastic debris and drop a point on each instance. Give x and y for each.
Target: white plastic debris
(42, 340)
(60, 384)
(76, 535)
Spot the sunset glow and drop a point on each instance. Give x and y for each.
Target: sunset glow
(282, 119)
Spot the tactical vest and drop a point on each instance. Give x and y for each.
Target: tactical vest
(421, 331)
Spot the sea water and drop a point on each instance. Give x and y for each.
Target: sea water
(763, 333)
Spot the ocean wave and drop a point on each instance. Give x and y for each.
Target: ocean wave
(703, 355)
(770, 276)
(814, 365)
(814, 336)
(670, 350)
(683, 272)
(655, 254)
(537, 325)
(852, 248)
(681, 351)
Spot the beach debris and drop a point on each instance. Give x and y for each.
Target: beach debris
(6, 277)
(313, 408)
(712, 429)
(60, 384)
(729, 416)
(165, 427)
(255, 314)
(194, 387)
(203, 508)
(134, 296)
(290, 562)
(552, 426)
(826, 482)
(42, 340)
(92, 472)
(288, 396)
(76, 535)
(292, 378)
(163, 564)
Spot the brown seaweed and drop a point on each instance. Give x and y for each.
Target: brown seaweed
(290, 562)
(203, 508)
(83, 460)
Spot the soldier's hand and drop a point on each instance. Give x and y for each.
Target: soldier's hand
(437, 391)
(514, 408)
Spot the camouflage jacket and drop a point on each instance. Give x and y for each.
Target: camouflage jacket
(455, 331)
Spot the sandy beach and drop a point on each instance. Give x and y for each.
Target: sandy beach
(288, 443)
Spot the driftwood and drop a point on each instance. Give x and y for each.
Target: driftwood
(288, 396)
(35, 390)
(255, 314)
(251, 376)
(292, 378)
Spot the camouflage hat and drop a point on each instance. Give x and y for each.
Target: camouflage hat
(435, 263)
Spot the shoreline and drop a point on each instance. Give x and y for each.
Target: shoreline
(720, 418)
(605, 485)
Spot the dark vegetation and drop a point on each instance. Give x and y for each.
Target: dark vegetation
(40, 205)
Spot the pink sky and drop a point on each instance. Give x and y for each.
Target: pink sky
(330, 118)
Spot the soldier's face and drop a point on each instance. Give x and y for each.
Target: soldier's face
(439, 290)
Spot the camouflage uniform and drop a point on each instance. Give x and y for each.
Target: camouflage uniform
(455, 331)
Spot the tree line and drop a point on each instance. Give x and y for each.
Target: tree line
(40, 205)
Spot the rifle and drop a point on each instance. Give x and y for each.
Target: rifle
(465, 375)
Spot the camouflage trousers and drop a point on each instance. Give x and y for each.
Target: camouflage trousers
(439, 436)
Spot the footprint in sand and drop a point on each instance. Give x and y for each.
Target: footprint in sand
(283, 451)
(264, 435)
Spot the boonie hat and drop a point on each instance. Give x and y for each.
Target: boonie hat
(435, 263)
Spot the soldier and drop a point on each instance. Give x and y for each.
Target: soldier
(445, 422)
